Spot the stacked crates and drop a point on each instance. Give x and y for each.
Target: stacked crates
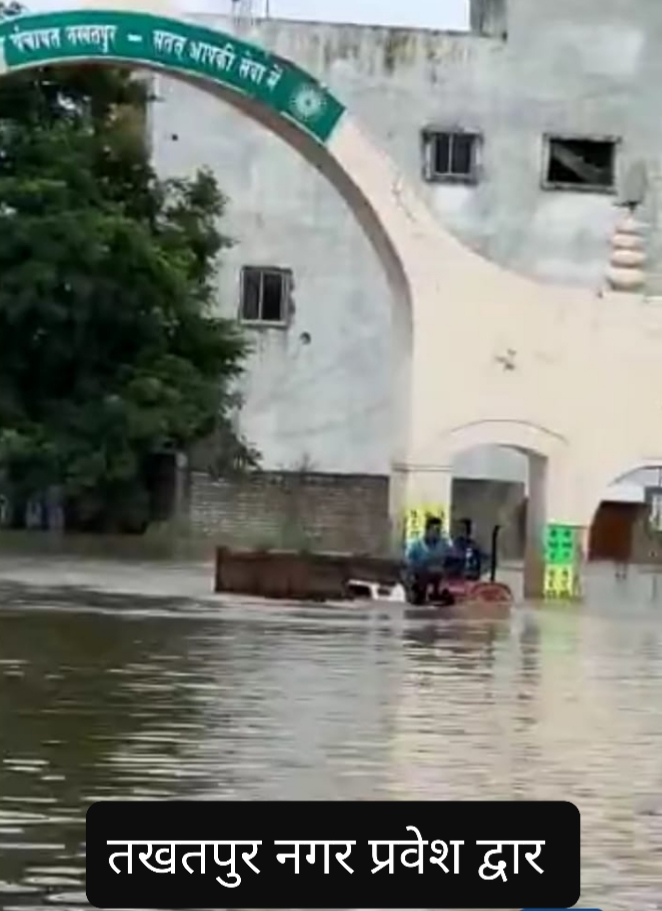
(562, 562)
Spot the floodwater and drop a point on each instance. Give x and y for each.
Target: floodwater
(107, 693)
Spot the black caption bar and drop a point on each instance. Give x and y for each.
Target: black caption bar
(332, 855)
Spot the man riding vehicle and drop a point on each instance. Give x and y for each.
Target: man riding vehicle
(469, 554)
(426, 560)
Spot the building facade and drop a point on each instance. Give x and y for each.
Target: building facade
(523, 135)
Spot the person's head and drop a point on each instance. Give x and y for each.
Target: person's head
(432, 529)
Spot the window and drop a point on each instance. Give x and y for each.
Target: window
(581, 164)
(451, 157)
(265, 295)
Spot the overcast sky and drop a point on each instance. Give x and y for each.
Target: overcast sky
(427, 13)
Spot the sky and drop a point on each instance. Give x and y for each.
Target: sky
(450, 14)
(430, 13)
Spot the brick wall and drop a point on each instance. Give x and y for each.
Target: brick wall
(336, 513)
(325, 512)
(349, 513)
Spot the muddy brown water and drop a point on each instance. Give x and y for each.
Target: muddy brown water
(131, 681)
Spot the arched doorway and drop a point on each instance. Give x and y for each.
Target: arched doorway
(624, 539)
(626, 526)
(530, 503)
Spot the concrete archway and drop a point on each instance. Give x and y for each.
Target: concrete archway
(482, 356)
(544, 451)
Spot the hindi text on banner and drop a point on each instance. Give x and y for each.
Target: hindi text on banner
(169, 43)
(499, 869)
(412, 856)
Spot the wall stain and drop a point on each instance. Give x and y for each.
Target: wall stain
(344, 44)
(399, 48)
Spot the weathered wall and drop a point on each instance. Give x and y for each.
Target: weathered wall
(585, 67)
(489, 17)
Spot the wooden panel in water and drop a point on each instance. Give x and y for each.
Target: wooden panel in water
(611, 532)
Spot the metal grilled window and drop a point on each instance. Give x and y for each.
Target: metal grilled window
(450, 156)
(265, 292)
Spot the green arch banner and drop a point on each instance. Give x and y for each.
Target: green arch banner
(176, 45)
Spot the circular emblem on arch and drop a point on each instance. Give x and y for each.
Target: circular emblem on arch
(308, 102)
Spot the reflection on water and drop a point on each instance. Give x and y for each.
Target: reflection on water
(125, 696)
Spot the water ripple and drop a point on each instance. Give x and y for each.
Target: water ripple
(161, 700)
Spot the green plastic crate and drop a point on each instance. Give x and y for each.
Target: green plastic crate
(560, 545)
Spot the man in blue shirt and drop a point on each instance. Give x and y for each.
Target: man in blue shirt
(426, 561)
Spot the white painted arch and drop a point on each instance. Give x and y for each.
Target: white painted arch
(525, 437)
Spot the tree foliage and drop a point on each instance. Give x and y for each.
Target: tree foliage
(110, 351)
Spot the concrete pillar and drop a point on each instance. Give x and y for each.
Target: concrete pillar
(417, 492)
(565, 547)
(569, 507)
(534, 562)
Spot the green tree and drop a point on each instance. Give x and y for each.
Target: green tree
(111, 355)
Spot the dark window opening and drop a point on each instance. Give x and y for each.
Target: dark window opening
(451, 156)
(264, 294)
(581, 163)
